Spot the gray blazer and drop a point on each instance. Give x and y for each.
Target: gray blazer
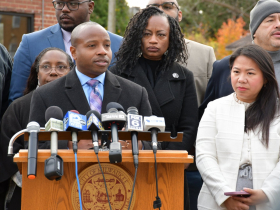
(67, 93)
(200, 63)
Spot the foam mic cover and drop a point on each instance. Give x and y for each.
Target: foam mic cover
(114, 105)
(94, 124)
(54, 117)
(33, 128)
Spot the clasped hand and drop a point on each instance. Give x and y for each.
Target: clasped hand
(243, 203)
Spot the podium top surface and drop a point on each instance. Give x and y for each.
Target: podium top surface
(145, 156)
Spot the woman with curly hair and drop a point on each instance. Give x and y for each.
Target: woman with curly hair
(152, 49)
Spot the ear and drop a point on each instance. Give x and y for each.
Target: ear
(180, 15)
(90, 7)
(73, 52)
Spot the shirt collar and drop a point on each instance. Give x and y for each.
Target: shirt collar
(84, 78)
(66, 35)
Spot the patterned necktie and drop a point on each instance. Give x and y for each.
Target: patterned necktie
(95, 100)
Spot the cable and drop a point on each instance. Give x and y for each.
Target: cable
(78, 182)
(157, 202)
(133, 186)
(104, 181)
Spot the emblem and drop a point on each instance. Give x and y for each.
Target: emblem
(175, 75)
(94, 197)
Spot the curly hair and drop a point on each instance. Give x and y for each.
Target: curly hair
(32, 80)
(128, 54)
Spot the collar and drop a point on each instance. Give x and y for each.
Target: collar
(84, 78)
(66, 35)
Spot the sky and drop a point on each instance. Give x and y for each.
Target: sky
(137, 3)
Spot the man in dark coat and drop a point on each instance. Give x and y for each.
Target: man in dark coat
(91, 51)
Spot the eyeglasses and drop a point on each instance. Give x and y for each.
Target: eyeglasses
(60, 69)
(59, 5)
(165, 5)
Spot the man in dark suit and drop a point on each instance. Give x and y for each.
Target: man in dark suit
(59, 35)
(265, 30)
(92, 53)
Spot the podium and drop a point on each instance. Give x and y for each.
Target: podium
(41, 193)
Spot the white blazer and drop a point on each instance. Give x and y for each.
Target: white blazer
(218, 153)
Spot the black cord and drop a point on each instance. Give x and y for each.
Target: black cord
(104, 181)
(136, 167)
(157, 202)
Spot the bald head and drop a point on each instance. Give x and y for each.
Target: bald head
(83, 28)
(91, 49)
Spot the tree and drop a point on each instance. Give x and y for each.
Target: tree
(228, 33)
(212, 13)
(100, 14)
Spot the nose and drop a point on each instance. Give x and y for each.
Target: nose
(53, 72)
(65, 8)
(153, 39)
(102, 51)
(242, 78)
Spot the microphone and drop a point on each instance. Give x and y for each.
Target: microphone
(154, 124)
(73, 121)
(114, 119)
(33, 128)
(134, 124)
(54, 164)
(94, 124)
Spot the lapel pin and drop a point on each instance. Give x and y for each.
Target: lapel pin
(175, 75)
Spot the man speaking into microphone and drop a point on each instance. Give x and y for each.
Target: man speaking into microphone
(89, 86)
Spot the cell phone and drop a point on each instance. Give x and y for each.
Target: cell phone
(238, 193)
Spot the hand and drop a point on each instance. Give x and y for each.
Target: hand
(126, 145)
(232, 204)
(256, 197)
(82, 144)
(186, 165)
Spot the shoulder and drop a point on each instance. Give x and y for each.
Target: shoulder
(43, 32)
(198, 45)
(181, 70)
(124, 83)
(226, 100)
(222, 63)
(114, 37)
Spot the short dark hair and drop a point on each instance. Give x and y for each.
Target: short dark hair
(128, 54)
(265, 108)
(32, 80)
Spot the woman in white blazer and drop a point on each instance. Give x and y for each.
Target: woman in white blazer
(238, 142)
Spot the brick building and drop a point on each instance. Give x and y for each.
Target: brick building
(18, 17)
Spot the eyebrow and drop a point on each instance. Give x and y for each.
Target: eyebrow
(107, 40)
(246, 69)
(157, 31)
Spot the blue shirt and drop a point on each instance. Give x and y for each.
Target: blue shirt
(87, 89)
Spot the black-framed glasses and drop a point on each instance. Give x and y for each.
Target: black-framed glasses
(60, 69)
(58, 5)
(165, 5)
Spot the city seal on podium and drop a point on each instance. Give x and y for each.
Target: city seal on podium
(94, 197)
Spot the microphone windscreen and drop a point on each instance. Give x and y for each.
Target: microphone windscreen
(114, 105)
(96, 113)
(132, 110)
(54, 112)
(75, 111)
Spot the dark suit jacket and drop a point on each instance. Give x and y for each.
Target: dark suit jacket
(31, 45)
(67, 93)
(14, 120)
(172, 98)
(219, 84)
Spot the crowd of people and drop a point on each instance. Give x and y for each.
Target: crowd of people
(228, 110)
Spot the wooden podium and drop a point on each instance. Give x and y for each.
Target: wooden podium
(42, 193)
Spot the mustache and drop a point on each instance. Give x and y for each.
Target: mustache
(274, 31)
(65, 16)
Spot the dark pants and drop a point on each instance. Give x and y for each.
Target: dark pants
(194, 183)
